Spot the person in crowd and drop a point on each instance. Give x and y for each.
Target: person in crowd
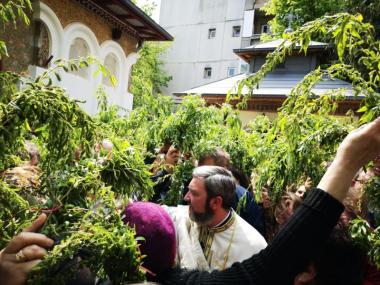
(268, 208)
(356, 201)
(218, 157)
(103, 151)
(354, 198)
(159, 244)
(163, 177)
(159, 159)
(339, 254)
(297, 250)
(244, 201)
(341, 261)
(210, 234)
(372, 273)
(27, 175)
(285, 207)
(375, 169)
(240, 178)
(294, 254)
(303, 188)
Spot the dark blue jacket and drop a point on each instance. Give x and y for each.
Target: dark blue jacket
(246, 206)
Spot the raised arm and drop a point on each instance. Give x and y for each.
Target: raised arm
(356, 150)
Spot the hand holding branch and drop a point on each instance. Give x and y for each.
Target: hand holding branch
(23, 252)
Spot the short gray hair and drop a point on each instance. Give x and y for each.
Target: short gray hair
(218, 182)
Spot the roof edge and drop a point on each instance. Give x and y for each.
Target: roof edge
(271, 49)
(148, 20)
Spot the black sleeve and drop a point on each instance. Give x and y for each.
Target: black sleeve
(286, 256)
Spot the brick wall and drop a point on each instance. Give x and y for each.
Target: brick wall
(19, 38)
(70, 11)
(19, 41)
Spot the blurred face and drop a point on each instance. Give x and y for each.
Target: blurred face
(283, 211)
(208, 161)
(301, 191)
(172, 156)
(359, 181)
(199, 204)
(356, 189)
(376, 166)
(34, 159)
(267, 203)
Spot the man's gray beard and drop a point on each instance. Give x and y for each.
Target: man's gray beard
(201, 218)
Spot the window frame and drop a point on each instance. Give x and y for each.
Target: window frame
(234, 34)
(263, 27)
(84, 72)
(231, 68)
(207, 72)
(211, 33)
(116, 73)
(281, 66)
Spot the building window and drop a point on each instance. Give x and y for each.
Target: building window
(281, 65)
(211, 33)
(207, 72)
(111, 63)
(79, 49)
(231, 71)
(265, 29)
(236, 31)
(244, 68)
(44, 56)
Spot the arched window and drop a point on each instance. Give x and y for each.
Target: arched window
(79, 48)
(44, 55)
(130, 79)
(112, 64)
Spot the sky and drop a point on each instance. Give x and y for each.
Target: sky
(156, 13)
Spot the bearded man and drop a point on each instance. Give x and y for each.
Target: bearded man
(210, 235)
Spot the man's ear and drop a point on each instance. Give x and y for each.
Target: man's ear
(216, 202)
(306, 277)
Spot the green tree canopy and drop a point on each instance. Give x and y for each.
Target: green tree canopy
(304, 11)
(147, 74)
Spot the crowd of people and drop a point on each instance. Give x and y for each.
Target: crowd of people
(222, 235)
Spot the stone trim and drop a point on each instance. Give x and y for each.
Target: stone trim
(79, 30)
(49, 18)
(111, 47)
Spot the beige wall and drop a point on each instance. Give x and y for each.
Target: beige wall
(246, 116)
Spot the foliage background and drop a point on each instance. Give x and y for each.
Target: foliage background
(82, 195)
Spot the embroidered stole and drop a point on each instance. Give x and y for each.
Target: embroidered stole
(206, 237)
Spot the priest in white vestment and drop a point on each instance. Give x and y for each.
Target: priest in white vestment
(210, 235)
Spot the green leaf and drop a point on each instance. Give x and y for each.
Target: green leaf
(362, 109)
(57, 76)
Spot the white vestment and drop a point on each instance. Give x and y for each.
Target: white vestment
(233, 242)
